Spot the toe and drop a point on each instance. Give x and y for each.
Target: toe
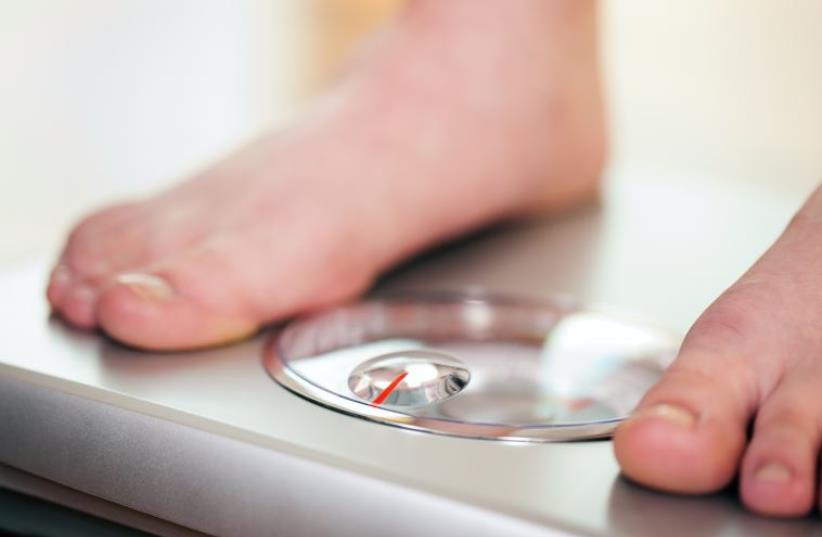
(59, 283)
(778, 473)
(756, 348)
(96, 248)
(688, 433)
(113, 241)
(164, 311)
(223, 290)
(77, 306)
(81, 267)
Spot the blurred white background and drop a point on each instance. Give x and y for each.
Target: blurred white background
(102, 99)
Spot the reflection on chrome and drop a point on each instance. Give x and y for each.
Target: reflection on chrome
(409, 378)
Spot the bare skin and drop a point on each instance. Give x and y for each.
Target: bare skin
(754, 355)
(421, 142)
(418, 143)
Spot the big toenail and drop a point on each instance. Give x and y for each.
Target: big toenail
(146, 286)
(674, 414)
(774, 471)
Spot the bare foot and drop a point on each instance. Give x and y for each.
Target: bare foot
(460, 114)
(754, 356)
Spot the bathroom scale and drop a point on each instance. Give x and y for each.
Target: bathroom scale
(472, 392)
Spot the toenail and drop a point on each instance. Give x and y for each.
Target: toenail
(146, 286)
(61, 274)
(84, 293)
(773, 471)
(674, 414)
(59, 283)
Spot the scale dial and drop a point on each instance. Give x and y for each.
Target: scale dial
(480, 366)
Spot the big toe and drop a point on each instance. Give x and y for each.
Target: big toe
(154, 311)
(219, 291)
(687, 435)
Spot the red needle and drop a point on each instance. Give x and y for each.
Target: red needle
(380, 399)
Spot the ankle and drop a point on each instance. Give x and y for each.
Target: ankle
(498, 111)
